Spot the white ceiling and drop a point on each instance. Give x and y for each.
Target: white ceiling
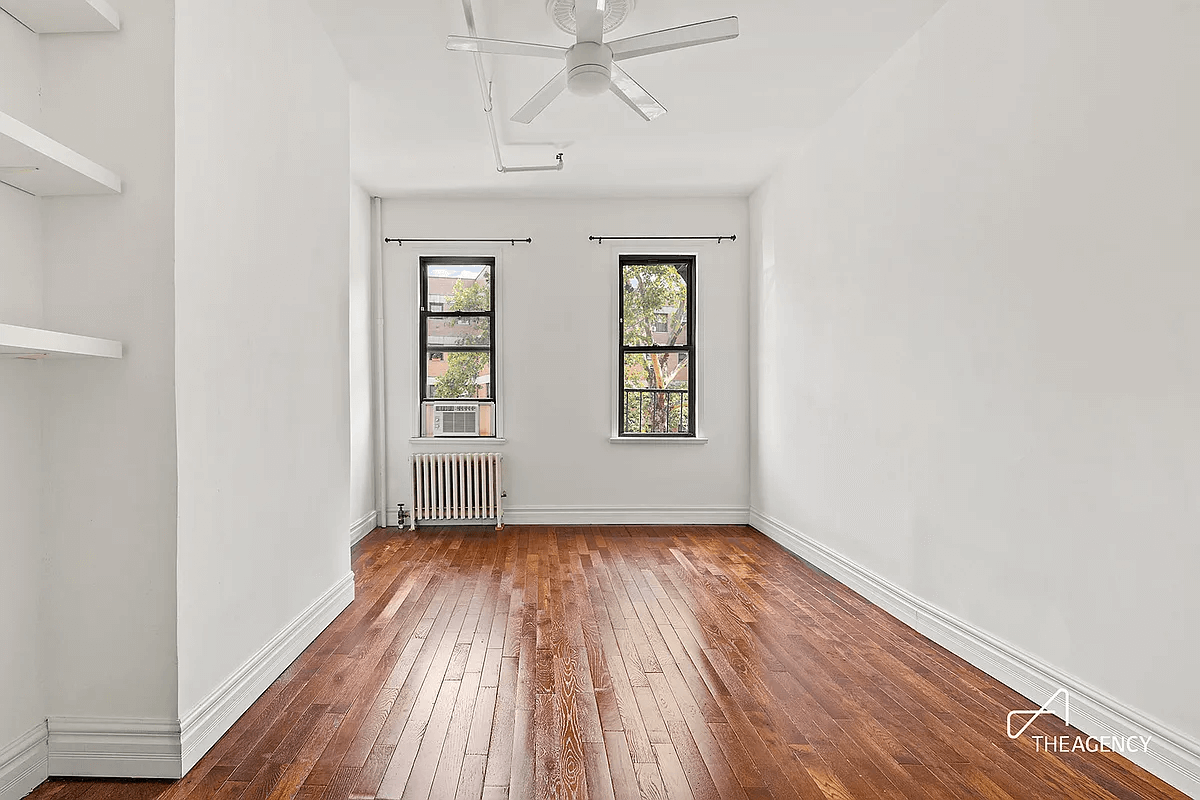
(419, 128)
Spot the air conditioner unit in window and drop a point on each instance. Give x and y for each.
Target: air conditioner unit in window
(456, 419)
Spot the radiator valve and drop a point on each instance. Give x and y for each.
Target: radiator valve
(401, 515)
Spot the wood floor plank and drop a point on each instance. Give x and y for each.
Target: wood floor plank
(411, 773)
(300, 764)
(454, 749)
(522, 778)
(614, 662)
(649, 781)
(597, 773)
(470, 781)
(479, 736)
(503, 733)
(620, 764)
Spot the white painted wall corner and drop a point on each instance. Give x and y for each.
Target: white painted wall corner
(216, 713)
(24, 763)
(368, 523)
(1171, 755)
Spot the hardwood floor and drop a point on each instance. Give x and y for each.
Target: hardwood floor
(623, 662)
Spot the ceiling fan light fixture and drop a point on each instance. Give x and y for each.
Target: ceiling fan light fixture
(589, 81)
(589, 69)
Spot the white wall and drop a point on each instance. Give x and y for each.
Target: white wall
(21, 703)
(262, 343)
(557, 320)
(362, 324)
(978, 366)
(109, 428)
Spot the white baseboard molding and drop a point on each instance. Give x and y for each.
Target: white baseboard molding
(215, 714)
(24, 763)
(626, 515)
(364, 526)
(113, 747)
(1172, 755)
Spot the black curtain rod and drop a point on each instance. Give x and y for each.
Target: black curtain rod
(510, 241)
(718, 239)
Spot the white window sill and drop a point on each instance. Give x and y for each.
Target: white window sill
(472, 440)
(658, 439)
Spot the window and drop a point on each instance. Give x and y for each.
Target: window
(657, 346)
(457, 348)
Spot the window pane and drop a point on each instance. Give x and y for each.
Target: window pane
(459, 287)
(655, 304)
(458, 331)
(655, 394)
(458, 376)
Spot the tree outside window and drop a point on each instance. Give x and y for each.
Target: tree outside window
(464, 369)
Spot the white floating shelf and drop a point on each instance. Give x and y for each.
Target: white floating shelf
(64, 16)
(34, 162)
(35, 343)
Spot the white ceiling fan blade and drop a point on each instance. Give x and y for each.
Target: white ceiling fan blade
(537, 104)
(503, 47)
(714, 30)
(634, 95)
(589, 21)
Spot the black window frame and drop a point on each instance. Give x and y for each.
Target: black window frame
(424, 348)
(689, 349)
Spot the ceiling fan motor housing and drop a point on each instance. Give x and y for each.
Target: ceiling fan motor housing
(589, 68)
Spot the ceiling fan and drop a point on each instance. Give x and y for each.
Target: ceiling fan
(592, 64)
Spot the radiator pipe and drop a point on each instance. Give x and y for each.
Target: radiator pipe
(380, 364)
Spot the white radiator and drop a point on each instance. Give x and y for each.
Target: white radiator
(456, 486)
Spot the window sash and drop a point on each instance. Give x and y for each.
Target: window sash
(424, 394)
(689, 275)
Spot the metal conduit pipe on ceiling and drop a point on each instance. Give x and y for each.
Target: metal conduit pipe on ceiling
(485, 89)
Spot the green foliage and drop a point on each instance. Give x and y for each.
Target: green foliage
(458, 382)
(649, 289)
(463, 369)
(474, 296)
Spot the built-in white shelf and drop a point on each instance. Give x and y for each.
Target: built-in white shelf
(34, 162)
(35, 343)
(64, 16)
